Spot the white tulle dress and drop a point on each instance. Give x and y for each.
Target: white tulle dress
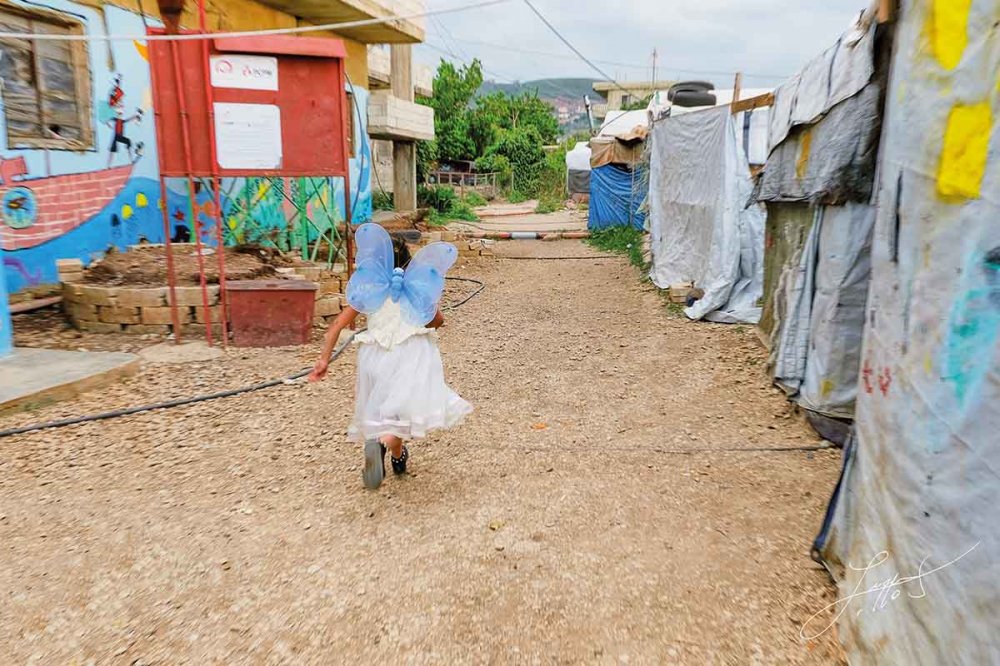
(400, 388)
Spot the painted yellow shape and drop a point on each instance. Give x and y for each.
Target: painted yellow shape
(928, 364)
(141, 201)
(963, 157)
(232, 223)
(142, 49)
(805, 147)
(126, 211)
(826, 387)
(949, 30)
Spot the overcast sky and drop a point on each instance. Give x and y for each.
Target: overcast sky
(695, 39)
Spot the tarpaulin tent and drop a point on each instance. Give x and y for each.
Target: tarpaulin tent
(818, 184)
(614, 198)
(702, 229)
(753, 126)
(578, 169)
(618, 182)
(917, 503)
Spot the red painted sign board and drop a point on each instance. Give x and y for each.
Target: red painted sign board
(281, 104)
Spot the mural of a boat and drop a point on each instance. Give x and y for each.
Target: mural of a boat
(40, 209)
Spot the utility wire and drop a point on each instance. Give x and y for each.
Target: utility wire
(573, 48)
(34, 36)
(613, 63)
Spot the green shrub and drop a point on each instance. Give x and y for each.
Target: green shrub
(475, 199)
(440, 198)
(383, 201)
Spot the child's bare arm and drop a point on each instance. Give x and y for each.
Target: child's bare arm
(343, 320)
(438, 320)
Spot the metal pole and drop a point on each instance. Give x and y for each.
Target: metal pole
(185, 134)
(217, 186)
(167, 246)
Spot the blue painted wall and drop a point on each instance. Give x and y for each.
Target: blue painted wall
(133, 211)
(6, 335)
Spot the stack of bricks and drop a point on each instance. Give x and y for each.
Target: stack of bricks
(70, 270)
(140, 310)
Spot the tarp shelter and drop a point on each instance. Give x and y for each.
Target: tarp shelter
(618, 179)
(917, 504)
(702, 229)
(753, 126)
(578, 169)
(818, 185)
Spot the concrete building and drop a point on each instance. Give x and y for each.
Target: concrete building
(619, 94)
(78, 147)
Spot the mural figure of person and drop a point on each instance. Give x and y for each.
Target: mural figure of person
(118, 121)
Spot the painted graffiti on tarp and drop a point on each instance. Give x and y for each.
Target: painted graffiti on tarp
(974, 327)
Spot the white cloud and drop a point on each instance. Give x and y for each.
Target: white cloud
(769, 37)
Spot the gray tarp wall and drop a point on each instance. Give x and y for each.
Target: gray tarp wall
(919, 503)
(816, 306)
(702, 230)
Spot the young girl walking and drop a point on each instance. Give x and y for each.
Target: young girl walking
(400, 391)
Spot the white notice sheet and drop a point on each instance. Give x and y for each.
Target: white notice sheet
(248, 136)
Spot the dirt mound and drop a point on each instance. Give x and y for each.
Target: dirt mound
(147, 266)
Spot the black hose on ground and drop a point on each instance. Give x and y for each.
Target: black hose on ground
(180, 402)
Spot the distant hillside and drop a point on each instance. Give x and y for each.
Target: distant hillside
(546, 88)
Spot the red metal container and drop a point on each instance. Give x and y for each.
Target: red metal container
(271, 313)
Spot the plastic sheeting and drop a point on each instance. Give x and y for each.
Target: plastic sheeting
(818, 348)
(578, 182)
(836, 74)
(919, 495)
(701, 230)
(831, 161)
(615, 198)
(578, 159)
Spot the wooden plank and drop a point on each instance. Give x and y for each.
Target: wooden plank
(737, 86)
(886, 11)
(751, 103)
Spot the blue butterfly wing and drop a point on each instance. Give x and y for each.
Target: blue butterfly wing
(369, 285)
(423, 282)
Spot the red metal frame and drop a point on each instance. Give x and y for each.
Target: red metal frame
(315, 144)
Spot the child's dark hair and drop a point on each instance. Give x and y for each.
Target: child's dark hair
(401, 252)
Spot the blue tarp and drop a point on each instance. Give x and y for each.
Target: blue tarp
(616, 193)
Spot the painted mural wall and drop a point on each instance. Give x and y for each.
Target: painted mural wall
(6, 334)
(78, 162)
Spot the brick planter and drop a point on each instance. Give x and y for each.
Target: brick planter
(146, 310)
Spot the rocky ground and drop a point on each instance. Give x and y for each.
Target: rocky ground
(604, 504)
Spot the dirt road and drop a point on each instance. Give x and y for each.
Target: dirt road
(577, 517)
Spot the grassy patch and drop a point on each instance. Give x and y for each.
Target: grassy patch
(626, 240)
(475, 199)
(548, 205)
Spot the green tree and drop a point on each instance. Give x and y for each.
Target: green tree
(454, 90)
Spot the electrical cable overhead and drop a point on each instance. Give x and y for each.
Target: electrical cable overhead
(614, 63)
(41, 37)
(573, 48)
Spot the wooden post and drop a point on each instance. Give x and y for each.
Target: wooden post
(737, 85)
(404, 153)
(886, 11)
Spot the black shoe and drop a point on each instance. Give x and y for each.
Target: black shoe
(399, 464)
(374, 470)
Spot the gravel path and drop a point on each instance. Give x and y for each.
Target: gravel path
(579, 516)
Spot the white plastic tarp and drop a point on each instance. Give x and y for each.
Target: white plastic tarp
(578, 159)
(701, 231)
(621, 123)
(918, 503)
(818, 350)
